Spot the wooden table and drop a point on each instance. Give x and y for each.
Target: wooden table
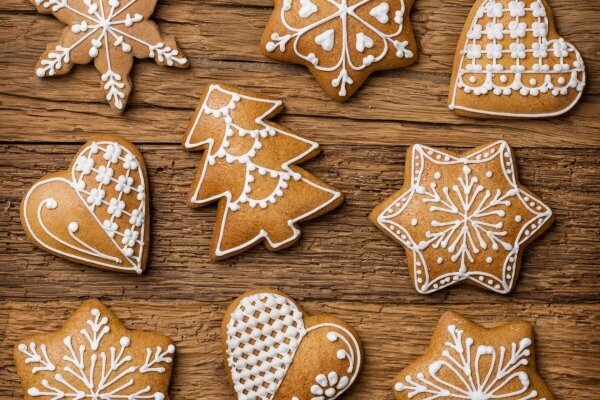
(343, 265)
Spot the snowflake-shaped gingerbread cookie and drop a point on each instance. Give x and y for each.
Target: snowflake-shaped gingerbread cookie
(95, 357)
(111, 33)
(341, 41)
(463, 217)
(467, 361)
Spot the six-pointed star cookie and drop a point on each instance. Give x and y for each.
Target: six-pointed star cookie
(467, 361)
(93, 356)
(110, 32)
(462, 217)
(341, 41)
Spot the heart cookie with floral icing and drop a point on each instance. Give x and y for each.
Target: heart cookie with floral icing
(95, 212)
(512, 63)
(275, 351)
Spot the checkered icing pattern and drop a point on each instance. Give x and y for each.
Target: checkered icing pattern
(263, 335)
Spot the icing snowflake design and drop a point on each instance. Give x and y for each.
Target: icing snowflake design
(466, 370)
(330, 25)
(110, 32)
(263, 336)
(530, 65)
(88, 373)
(466, 218)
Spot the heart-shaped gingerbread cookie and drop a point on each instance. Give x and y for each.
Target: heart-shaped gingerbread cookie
(275, 351)
(512, 63)
(95, 212)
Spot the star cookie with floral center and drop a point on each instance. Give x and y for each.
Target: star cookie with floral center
(111, 33)
(249, 166)
(93, 356)
(467, 361)
(512, 63)
(462, 217)
(95, 212)
(341, 41)
(273, 350)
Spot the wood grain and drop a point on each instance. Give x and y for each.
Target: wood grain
(342, 265)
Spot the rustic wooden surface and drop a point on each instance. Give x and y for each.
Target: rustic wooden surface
(343, 265)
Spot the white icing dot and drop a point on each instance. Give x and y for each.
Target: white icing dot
(533, 81)
(73, 227)
(481, 278)
(490, 282)
(508, 276)
(518, 218)
(561, 81)
(440, 260)
(489, 174)
(472, 79)
(437, 175)
(413, 222)
(489, 260)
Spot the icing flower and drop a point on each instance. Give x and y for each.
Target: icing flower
(95, 197)
(494, 31)
(328, 386)
(128, 251)
(473, 51)
(517, 50)
(560, 48)
(517, 29)
(130, 162)
(84, 165)
(516, 8)
(137, 218)
(493, 51)
(112, 153)
(401, 50)
(116, 207)
(493, 10)
(475, 32)
(104, 175)
(129, 237)
(540, 50)
(94, 148)
(110, 228)
(79, 185)
(538, 9)
(124, 184)
(539, 29)
(141, 194)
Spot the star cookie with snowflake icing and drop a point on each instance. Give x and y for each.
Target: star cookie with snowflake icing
(341, 41)
(462, 217)
(93, 356)
(467, 361)
(110, 33)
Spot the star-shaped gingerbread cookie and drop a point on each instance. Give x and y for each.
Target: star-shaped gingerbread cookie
(341, 41)
(93, 356)
(462, 217)
(111, 33)
(467, 361)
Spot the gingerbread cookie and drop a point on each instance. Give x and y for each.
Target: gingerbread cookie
(341, 41)
(95, 212)
(111, 33)
(462, 217)
(467, 361)
(511, 62)
(93, 356)
(275, 351)
(248, 165)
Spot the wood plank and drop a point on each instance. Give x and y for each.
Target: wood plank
(393, 336)
(341, 256)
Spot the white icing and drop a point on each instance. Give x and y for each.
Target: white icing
(103, 26)
(468, 370)
(349, 18)
(570, 76)
(104, 375)
(263, 336)
(283, 175)
(93, 198)
(308, 8)
(474, 218)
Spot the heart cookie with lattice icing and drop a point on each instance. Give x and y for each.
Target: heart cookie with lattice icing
(96, 212)
(467, 361)
(275, 351)
(341, 42)
(511, 62)
(93, 356)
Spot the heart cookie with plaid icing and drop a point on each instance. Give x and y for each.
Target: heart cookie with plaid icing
(273, 350)
(512, 63)
(95, 212)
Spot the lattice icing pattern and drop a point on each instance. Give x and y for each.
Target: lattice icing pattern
(263, 335)
(507, 50)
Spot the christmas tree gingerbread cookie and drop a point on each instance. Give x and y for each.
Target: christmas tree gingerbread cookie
(93, 356)
(462, 217)
(96, 212)
(110, 33)
(249, 166)
(512, 63)
(341, 42)
(273, 350)
(467, 361)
